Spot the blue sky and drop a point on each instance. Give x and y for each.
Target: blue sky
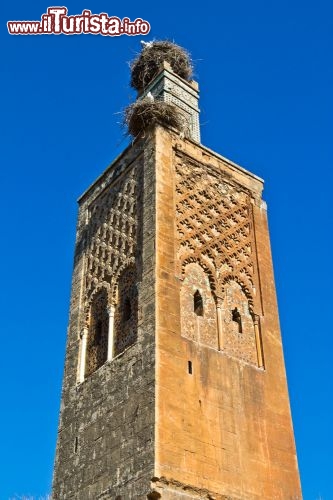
(266, 78)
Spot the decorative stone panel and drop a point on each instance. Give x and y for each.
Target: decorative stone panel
(238, 327)
(112, 234)
(215, 230)
(199, 328)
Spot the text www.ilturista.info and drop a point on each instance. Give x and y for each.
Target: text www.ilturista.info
(56, 22)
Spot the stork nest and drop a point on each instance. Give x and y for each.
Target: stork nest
(147, 65)
(145, 114)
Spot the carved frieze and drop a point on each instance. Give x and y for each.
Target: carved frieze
(112, 233)
(215, 231)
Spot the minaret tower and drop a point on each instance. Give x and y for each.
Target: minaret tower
(174, 384)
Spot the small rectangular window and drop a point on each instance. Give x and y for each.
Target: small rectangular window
(76, 444)
(236, 316)
(198, 303)
(189, 364)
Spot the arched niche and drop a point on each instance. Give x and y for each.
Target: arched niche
(239, 338)
(197, 307)
(97, 342)
(126, 310)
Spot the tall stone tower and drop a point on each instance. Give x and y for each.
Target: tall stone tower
(174, 384)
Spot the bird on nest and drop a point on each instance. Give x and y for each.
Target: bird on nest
(150, 96)
(145, 45)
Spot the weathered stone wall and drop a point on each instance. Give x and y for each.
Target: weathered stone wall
(224, 430)
(105, 445)
(198, 406)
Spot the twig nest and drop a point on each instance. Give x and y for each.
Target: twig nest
(148, 63)
(144, 114)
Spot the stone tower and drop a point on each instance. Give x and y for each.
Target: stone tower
(174, 384)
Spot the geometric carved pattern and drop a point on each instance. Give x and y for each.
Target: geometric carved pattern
(97, 345)
(215, 230)
(199, 328)
(110, 238)
(125, 320)
(214, 227)
(112, 233)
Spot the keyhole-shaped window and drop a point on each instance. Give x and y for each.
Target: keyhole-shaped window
(198, 304)
(236, 316)
(127, 310)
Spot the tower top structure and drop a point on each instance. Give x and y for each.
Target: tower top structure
(174, 385)
(162, 73)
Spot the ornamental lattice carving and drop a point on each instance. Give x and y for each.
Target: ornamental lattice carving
(214, 229)
(112, 233)
(111, 239)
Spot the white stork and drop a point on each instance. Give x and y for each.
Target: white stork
(145, 45)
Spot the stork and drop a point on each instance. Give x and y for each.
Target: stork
(145, 45)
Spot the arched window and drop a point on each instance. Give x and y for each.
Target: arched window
(126, 314)
(198, 304)
(97, 345)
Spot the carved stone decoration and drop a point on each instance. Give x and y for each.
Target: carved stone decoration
(186, 112)
(237, 324)
(214, 229)
(112, 233)
(198, 327)
(126, 314)
(97, 345)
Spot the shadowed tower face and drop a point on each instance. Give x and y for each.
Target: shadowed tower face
(174, 383)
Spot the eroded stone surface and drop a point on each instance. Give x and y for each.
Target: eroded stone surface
(185, 409)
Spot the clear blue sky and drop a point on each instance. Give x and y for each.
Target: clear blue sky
(265, 74)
